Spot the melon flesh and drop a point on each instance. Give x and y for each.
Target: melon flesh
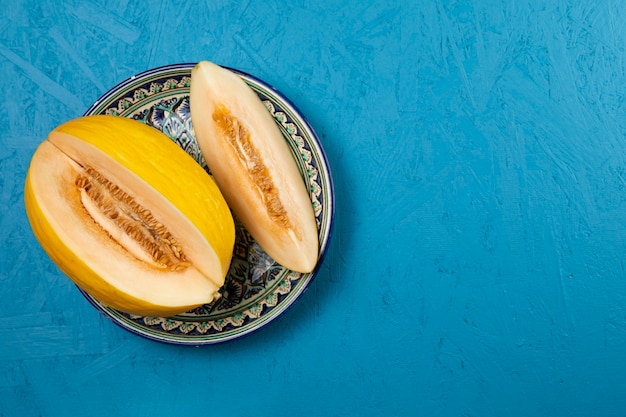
(160, 177)
(253, 165)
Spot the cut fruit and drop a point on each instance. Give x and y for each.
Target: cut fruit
(252, 164)
(129, 216)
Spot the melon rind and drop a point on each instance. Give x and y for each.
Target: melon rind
(133, 153)
(158, 161)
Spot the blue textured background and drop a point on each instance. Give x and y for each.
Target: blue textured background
(477, 265)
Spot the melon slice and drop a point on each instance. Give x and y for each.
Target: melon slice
(252, 164)
(129, 216)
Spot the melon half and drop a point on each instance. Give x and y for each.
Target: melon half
(129, 216)
(253, 165)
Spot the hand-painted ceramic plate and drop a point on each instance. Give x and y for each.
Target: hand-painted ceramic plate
(257, 289)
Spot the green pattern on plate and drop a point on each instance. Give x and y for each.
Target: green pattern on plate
(257, 289)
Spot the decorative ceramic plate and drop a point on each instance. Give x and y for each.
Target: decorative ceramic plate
(257, 289)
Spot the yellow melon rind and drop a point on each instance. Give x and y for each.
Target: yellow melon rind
(88, 256)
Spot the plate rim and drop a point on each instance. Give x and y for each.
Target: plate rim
(283, 307)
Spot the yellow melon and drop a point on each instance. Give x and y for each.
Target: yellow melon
(252, 164)
(129, 216)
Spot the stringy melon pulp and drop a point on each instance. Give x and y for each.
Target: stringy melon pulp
(163, 194)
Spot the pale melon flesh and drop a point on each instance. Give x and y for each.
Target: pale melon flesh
(182, 213)
(253, 165)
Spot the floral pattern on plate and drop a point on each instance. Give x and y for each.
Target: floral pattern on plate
(257, 289)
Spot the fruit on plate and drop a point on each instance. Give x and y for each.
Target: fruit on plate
(129, 216)
(253, 165)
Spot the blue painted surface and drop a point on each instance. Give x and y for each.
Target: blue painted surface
(477, 263)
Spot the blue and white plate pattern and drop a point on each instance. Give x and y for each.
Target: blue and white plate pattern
(257, 289)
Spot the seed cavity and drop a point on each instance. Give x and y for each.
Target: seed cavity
(239, 138)
(128, 223)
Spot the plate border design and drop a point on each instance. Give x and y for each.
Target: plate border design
(126, 98)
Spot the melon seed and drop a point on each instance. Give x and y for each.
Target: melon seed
(128, 223)
(239, 138)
